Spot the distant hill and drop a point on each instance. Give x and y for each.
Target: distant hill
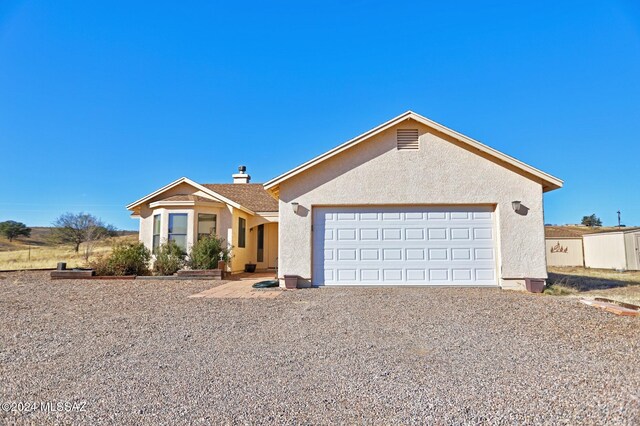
(40, 237)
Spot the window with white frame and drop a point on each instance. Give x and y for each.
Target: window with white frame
(178, 225)
(206, 224)
(156, 234)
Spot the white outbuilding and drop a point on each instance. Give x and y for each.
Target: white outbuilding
(614, 249)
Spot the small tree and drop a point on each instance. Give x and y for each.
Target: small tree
(591, 221)
(12, 229)
(169, 259)
(207, 251)
(78, 228)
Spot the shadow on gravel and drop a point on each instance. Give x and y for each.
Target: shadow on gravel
(582, 283)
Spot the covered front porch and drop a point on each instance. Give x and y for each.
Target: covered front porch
(255, 243)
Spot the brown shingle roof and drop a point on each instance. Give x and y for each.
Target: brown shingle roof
(566, 231)
(250, 195)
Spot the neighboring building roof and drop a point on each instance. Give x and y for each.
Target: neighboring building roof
(250, 195)
(623, 230)
(572, 231)
(547, 181)
(566, 231)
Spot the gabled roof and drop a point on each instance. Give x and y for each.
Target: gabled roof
(251, 195)
(213, 194)
(547, 181)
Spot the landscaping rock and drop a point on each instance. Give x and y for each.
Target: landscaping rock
(143, 352)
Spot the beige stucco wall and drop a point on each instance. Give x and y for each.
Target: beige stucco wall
(573, 256)
(226, 227)
(224, 217)
(605, 251)
(440, 172)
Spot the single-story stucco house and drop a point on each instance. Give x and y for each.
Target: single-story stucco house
(410, 202)
(613, 249)
(242, 213)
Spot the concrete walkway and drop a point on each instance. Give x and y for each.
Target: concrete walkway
(241, 289)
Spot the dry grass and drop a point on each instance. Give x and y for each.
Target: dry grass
(22, 257)
(581, 282)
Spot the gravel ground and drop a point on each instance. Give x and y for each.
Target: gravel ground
(142, 352)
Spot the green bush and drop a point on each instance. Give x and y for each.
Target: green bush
(101, 265)
(207, 251)
(169, 259)
(125, 259)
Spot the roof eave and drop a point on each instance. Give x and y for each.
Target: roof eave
(548, 182)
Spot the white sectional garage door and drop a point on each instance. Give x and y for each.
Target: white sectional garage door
(404, 245)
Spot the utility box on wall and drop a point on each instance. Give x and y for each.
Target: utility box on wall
(534, 285)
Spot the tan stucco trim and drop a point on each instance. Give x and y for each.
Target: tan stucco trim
(547, 181)
(185, 203)
(196, 185)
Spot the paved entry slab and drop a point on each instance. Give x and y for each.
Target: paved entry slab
(239, 290)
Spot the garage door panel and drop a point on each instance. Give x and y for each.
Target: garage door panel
(415, 254)
(404, 245)
(392, 275)
(416, 275)
(392, 234)
(391, 254)
(462, 274)
(346, 217)
(369, 234)
(372, 275)
(483, 254)
(435, 254)
(437, 234)
(438, 275)
(459, 216)
(414, 234)
(460, 254)
(482, 234)
(436, 216)
(460, 234)
(372, 254)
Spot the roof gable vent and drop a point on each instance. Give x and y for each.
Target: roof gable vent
(408, 139)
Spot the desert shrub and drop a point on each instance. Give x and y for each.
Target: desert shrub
(101, 266)
(125, 259)
(207, 251)
(169, 259)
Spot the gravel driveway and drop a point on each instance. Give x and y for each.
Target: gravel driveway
(142, 352)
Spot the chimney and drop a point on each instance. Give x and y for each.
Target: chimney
(242, 176)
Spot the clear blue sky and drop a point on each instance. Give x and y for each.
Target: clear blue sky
(101, 104)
